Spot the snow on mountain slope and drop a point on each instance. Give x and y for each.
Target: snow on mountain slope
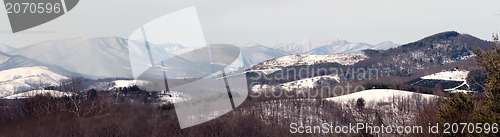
(301, 47)
(343, 48)
(279, 63)
(33, 93)
(449, 75)
(173, 97)
(21, 79)
(127, 83)
(6, 48)
(101, 57)
(299, 85)
(391, 104)
(454, 75)
(330, 47)
(254, 53)
(374, 96)
(16, 61)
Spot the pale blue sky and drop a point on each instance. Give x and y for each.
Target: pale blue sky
(271, 22)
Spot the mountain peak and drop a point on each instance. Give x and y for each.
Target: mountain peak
(6, 48)
(386, 42)
(247, 44)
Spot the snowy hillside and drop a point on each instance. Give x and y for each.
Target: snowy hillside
(279, 63)
(22, 79)
(452, 81)
(385, 45)
(33, 93)
(330, 47)
(375, 96)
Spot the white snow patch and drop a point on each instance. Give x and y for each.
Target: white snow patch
(303, 84)
(454, 75)
(276, 64)
(173, 97)
(457, 75)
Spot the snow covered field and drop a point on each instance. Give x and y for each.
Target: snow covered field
(455, 75)
(375, 96)
(303, 84)
(279, 63)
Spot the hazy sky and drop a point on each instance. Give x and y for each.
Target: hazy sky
(270, 22)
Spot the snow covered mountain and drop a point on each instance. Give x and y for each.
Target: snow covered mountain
(16, 80)
(107, 57)
(451, 81)
(341, 48)
(101, 57)
(90, 56)
(330, 47)
(293, 60)
(6, 48)
(254, 53)
(29, 94)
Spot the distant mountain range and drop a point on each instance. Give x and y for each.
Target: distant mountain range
(105, 57)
